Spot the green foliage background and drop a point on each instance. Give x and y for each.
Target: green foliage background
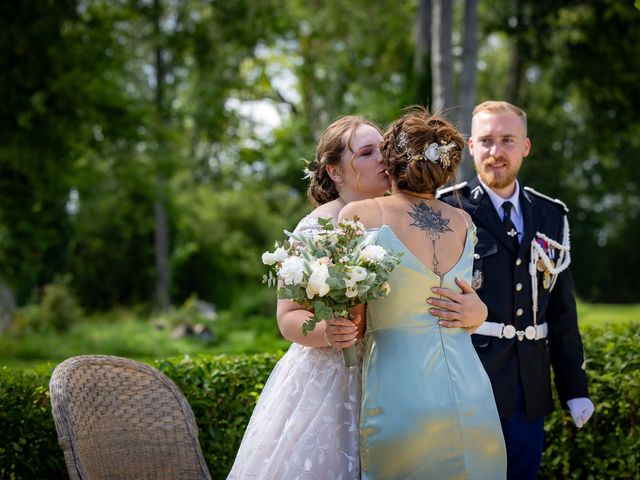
(85, 134)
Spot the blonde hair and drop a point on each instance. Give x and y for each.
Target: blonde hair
(329, 149)
(499, 106)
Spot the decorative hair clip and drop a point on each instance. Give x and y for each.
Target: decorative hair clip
(310, 169)
(401, 145)
(439, 153)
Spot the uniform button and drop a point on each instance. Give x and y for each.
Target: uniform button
(518, 262)
(518, 287)
(519, 312)
(476, 256)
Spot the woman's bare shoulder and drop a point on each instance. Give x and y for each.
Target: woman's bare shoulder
(330, 209)
(457, 214)
(367, 211)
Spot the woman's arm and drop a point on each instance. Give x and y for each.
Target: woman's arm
(339, 332)
(291, 316)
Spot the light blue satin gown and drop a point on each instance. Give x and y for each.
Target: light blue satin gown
(428, 410)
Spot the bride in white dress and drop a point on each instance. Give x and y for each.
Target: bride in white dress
(305, 424)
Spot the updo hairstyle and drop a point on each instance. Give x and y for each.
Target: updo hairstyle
(405, 143)
(331, 144)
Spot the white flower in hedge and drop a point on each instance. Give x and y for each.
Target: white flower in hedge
(279, 255)
(373, 253)
(292, 270)
(386, 288)
(317, 283)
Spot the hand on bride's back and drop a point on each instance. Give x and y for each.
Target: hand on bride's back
(458, 310)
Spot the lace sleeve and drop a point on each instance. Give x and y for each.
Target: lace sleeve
(308, 226)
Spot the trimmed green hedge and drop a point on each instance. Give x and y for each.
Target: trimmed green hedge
(28, 441)
(609, 444)
(222, 392)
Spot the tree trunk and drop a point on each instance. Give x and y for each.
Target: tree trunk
(7, 305)
(422, 53)
(161, 244)
(161, 223)
(468, 79)
(515, 62)
(441, 56)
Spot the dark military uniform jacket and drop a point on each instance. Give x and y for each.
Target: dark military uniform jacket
(504, 284)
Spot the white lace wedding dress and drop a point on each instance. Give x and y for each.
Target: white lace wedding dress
(305, 424)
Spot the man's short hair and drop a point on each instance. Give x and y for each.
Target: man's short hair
(498, 106)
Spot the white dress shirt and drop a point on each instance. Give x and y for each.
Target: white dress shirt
(516, 211)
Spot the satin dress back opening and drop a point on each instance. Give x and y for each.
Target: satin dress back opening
(428, 410)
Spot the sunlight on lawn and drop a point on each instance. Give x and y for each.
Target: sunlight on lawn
(600, 313)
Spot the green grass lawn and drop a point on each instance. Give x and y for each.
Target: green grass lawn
(601, 313)
(125, 334)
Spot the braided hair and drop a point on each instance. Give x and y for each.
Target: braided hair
(405, 145)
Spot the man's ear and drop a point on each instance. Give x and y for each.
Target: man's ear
(335, 173)
(470, 145)
(527, 147)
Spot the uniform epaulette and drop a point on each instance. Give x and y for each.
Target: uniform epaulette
(444, 191)
(558, 203)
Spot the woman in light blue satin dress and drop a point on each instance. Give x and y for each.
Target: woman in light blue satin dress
(428, 410)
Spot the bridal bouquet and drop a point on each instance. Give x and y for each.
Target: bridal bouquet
(330, 271)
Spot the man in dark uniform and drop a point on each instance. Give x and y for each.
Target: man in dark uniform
(520, 273)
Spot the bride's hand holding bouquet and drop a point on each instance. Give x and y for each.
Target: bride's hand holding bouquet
(330, 271)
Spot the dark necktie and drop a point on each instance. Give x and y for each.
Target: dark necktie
(509, 226)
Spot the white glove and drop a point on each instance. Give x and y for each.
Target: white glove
(581, 410)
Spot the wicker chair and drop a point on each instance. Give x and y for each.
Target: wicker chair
(120, 419)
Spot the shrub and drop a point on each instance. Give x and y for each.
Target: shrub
(57, 310)
(29, 446)
(222, 392)
(608, 446)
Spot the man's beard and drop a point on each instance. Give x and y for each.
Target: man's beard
(496, 179)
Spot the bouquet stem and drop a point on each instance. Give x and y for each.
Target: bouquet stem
(349, 356)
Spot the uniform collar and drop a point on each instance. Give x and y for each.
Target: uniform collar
(497, 200)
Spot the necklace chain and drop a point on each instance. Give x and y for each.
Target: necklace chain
(429, 196)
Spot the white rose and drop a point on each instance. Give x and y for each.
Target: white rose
(386, 288)
(352, 291)
(373, 253)
(279, 255)
(358, 274)
(317, 283)
(349, 281)
(292, 270)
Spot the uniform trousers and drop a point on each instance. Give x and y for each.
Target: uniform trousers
(524, 440)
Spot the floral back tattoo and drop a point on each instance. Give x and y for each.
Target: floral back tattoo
(430, 221)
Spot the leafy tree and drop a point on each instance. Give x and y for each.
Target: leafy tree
(59, 101)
